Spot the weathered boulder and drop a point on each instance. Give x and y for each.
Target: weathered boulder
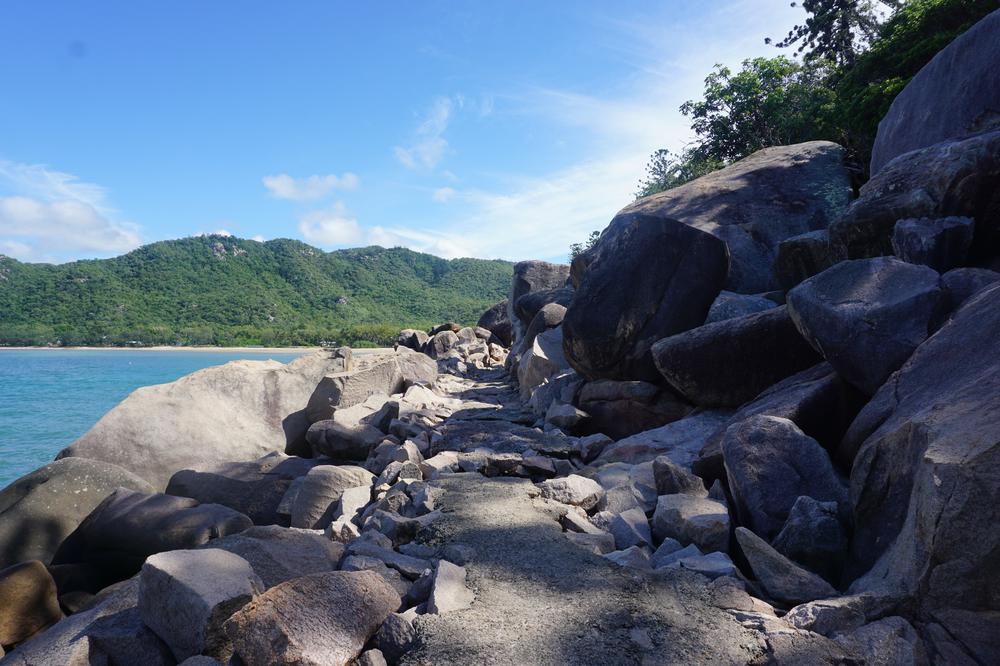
(630, 528)
(343, 439)
(960, 284)
(127, 527)
(957, 177)
(867, 316)
(527, 306)
(892, 641)
(531, 276)
(441, 345)
(728, 305)
(926, 481)
(110, 631)
(448, 591)
(730, 362)
(780, 578)
(316, 620)
(412, 339)
(770, 463)
(672, 479)
(234, 412)
(573, 489)
(42, 508)
(544, 359)
(941, 243)
(619, 409)
(800, 257)
(953, 95)
(692, 520)
(497, 321)
(756, 203)
(817, 400)
(385, 375)
(185, 596)
(252, 488)
(28, 602)
(317, 499)
(680, 440)
(814, 537)
(650, 277)
(395, 637)
(277, 554)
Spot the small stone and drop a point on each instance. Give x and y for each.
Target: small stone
(665, 559)
(781, 579)
(691, 519)
(395, 637)
(672, 479)
(712, 565)
(449, 592)
(630, 528)
(635, 557)
(573, 489)
(372, 658)
(600, 543)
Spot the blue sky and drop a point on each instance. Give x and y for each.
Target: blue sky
(487, 129)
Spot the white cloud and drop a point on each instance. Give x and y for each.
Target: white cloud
(331, 227)
(48, 215)
(310, 188)
(258, 238)
(444, 194)
(441, 244)
(429, 145)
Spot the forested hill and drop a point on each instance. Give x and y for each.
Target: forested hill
(226, 291)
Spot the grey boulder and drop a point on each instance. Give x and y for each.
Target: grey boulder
(317, 499)
(531, 276)
(692, 520)
(620, 409)
(867, 316)
(780, 578)
(814, 536)
(941, 243)
(497, 321)
(277, 554)
(728, 363)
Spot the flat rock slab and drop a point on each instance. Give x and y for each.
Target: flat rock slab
(541, 599)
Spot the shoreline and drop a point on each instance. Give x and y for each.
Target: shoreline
(170, 348)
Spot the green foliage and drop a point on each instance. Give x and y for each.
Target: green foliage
(667, 170)
(576, 249)
(770, 102)
(836, 30)
(227, 291)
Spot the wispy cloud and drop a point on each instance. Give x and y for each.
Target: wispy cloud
(429, 145)
(331, 227)
(48, 215)
(444, 194)
(310, 188)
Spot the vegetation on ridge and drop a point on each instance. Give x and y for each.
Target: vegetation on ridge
(229, 291)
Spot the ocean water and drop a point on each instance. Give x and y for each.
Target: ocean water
(48, 398)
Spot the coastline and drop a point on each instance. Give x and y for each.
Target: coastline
(170, 348)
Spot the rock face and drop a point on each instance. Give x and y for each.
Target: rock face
(234, 412)
(756, 203)
(730, 362)
(186, 595)
(649, 277)
(957, 177)
(532, 276)
(28, 602)
(42, 508)
(770, 464)
(316, 620)
(781, 579)
(925, 484)
(527, 306)
(277, 554)
(728, 305)
(321, 490)
(497, 321)
(127, 527)
(620, 409)
(252, 488)
(867, 316)
(941, 243)
(800, 257)
(928, 111)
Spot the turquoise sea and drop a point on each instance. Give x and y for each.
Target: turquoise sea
(48, 398)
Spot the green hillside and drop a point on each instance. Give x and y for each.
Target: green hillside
(228, 291)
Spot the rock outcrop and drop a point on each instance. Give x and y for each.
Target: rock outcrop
(531, 276)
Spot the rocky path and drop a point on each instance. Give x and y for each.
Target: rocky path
(540, 598)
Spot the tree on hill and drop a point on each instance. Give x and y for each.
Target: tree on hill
(837, 30)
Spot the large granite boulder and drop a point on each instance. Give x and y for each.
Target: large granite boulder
(781, 579)
(650, 277)
(497, 321)
(800, 257)
(42, 508)
(770, 463)
(814, 536)
(544, 359)
(28, 602)
(817, 400)
(116, 538)
(958, 177)
(926, 482)
(867, 316)
(728, 363)
(527, 306)
(234, 412)
(277, 554)
(941, 243)
(756, 203)
(320, 492)
(412, 339)
(619, 409)
(960, 284)
(680, 441)
(252, 488)
(109, 631)
(185, 596)
(955, 94)
(692, 520)
(317, 620)
(530, 276)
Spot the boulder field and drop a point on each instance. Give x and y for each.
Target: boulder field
(757, 423)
